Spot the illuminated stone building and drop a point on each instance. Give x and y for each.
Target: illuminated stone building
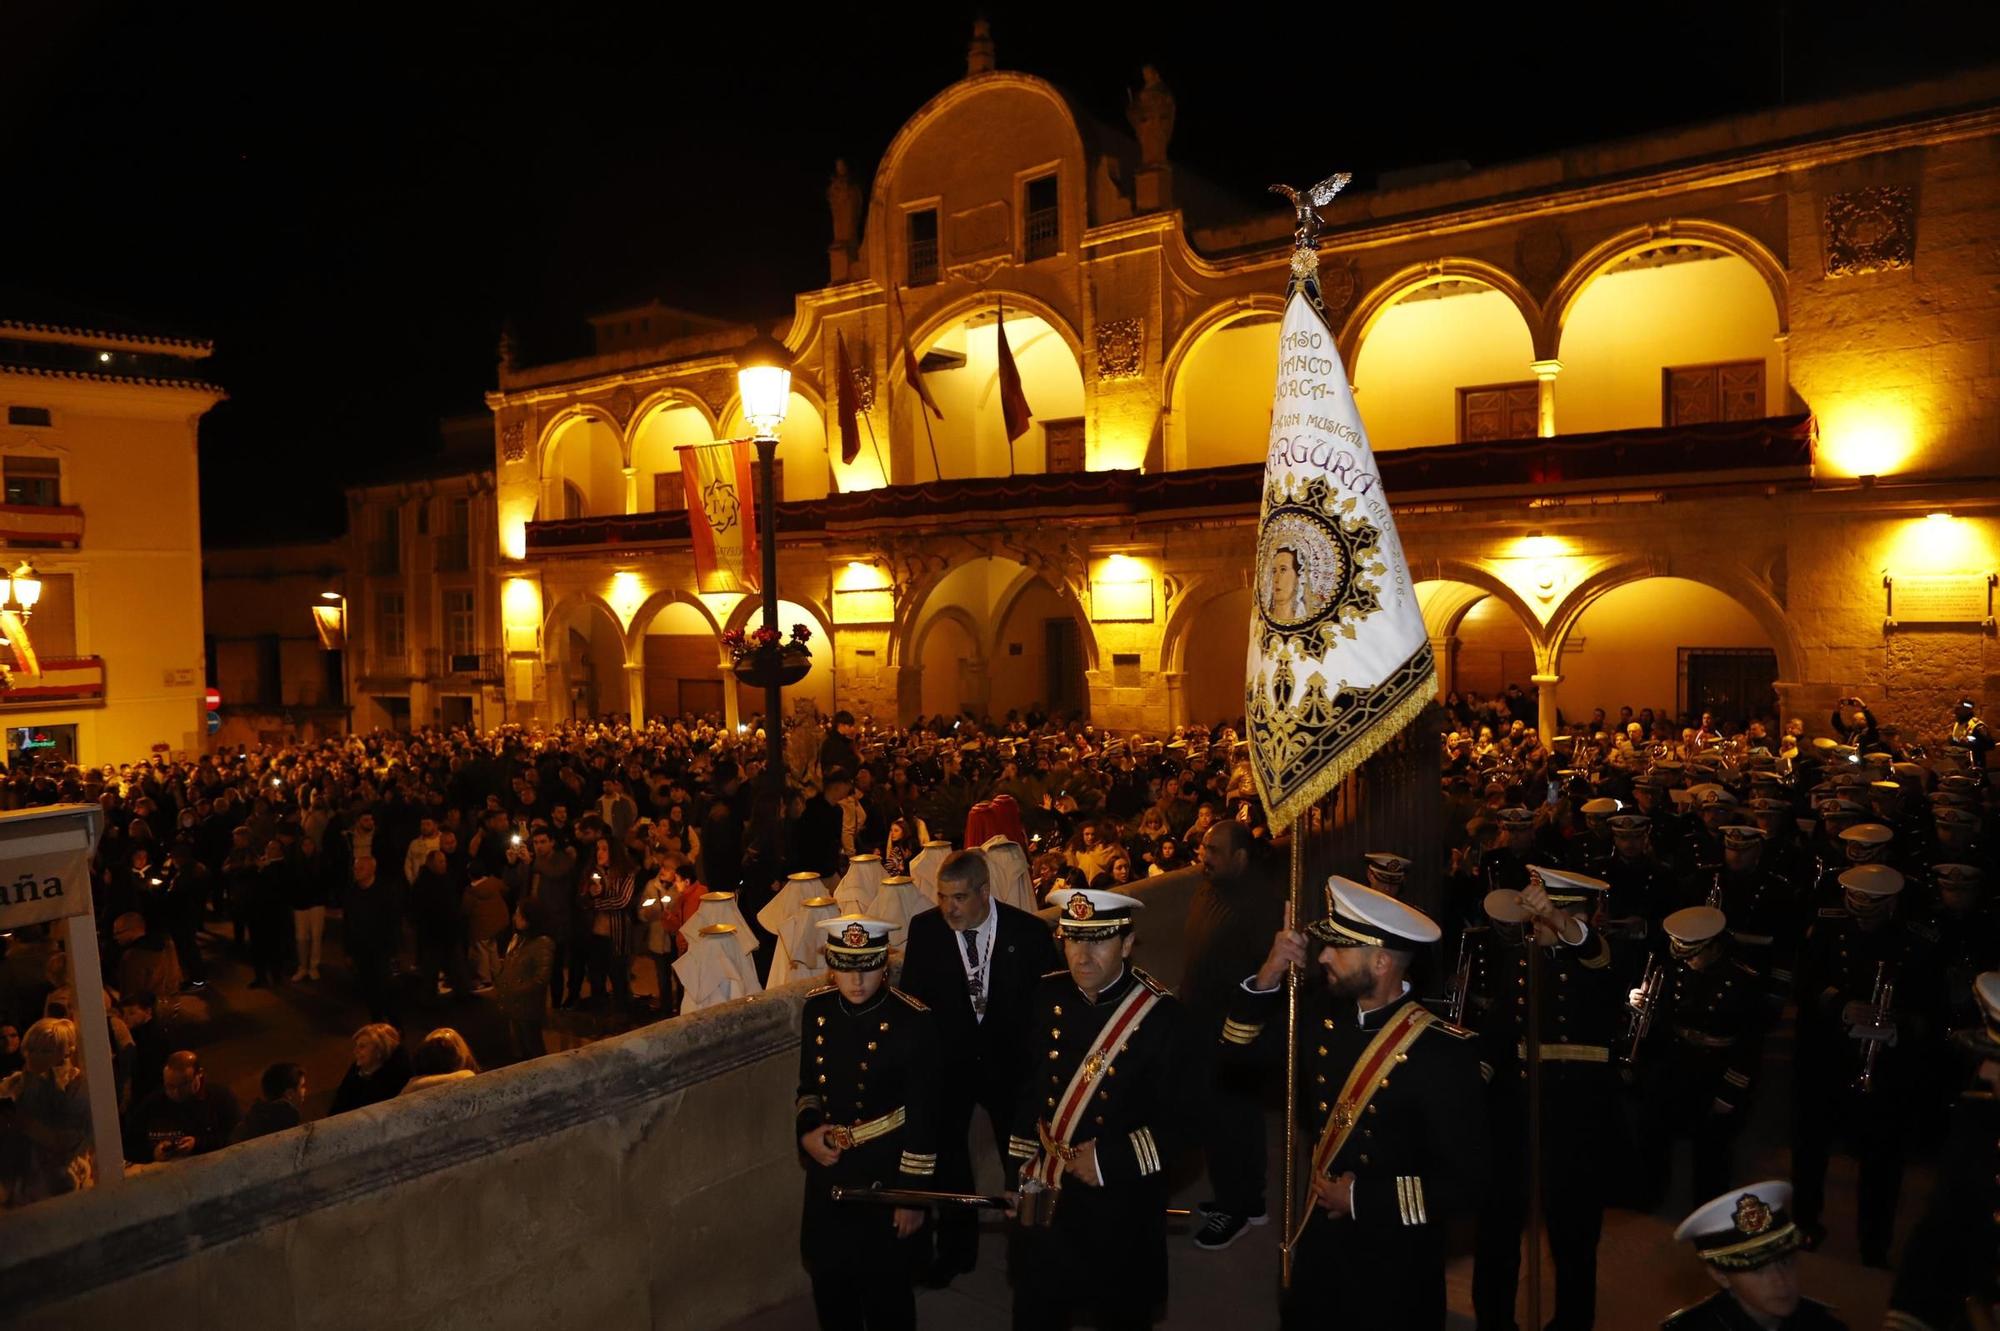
(99, 490)
(1659, 417)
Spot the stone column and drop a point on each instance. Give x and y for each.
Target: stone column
(978, 686)
(1545, 697)
(631, 489)
(1176, 681)
(1778, 394)
(1444, 651)
(1545, 394)
(635, 692)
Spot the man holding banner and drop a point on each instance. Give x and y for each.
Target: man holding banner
(1392, 1102)
(1339, 665)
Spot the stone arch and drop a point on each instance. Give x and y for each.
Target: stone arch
(642, 618)
(1739, 584)
(748, 613)
(561, 420)
(1178, 631)
(663, 397)
(1199, 393)
(1450, 596)
(1369, 310)
(1210, 321)
(805, 385)
(915, 613)
(1686, 231)
(927, 329)
(568, 605)
(1492, 584)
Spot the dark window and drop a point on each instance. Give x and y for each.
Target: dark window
(29, 416)
(1499, 411)
(1699, 394)
(1042, 230)
(32, 480)
(923, 242)
(454, 538)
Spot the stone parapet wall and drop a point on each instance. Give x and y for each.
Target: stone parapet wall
(644, 1181)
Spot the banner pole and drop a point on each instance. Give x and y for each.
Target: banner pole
(1534, 1057)
(1292, 1063)
(876, 445)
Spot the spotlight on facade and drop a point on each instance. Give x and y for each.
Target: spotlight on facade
(764, 380)
(1939, 517)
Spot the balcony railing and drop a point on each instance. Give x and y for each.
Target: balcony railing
(41, 527)
(485, 665)
(454, 552)
(923, 263)
(384, 556)
(1042, 239)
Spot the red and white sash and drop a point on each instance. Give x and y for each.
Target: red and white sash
(1057, 1130)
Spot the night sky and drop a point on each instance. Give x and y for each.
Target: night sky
(350, 212)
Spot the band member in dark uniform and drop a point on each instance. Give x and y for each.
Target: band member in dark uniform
(1105, 1104)
(1750, 1246)
(1385, 1086)
(1701, 1054)
(1868, 1004)
(867, 1115)
(1951, 1262)
(1579, 1017)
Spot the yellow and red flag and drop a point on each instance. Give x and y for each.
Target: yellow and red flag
(722, 514)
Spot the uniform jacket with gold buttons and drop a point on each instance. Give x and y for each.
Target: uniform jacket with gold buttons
(1582, 1012)
(1418, 1150)
(1110, 1238)
(856, 1066)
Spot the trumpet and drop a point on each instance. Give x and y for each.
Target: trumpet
(1461, 981)
(1881, 1005)
(1644, 1002)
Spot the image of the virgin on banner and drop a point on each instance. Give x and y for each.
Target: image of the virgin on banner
(1339, 661)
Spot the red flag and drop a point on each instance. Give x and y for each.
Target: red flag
(1013, 402)
(722, 514)
(847, 401)
(911, 370)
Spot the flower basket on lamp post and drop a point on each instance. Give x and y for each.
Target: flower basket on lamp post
(761, 660)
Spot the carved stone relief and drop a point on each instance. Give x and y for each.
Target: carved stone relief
(1121, 349)
(1871, 230)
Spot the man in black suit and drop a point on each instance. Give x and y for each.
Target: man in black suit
(974, 962)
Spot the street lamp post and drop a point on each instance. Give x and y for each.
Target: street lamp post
(764, 380)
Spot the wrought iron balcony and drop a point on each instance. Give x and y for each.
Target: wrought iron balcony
(1043, 239)
(923, 263)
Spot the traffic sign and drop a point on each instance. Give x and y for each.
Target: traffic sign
(213, 699)
(214, 722)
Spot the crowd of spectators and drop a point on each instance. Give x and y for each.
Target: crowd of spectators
(542, 874)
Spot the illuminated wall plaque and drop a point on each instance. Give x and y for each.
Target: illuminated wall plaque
(1938, 598)
(1122, 602)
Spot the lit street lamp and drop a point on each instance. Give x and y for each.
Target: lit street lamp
(764, 380)
(24, 589)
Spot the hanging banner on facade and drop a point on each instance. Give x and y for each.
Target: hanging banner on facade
(722, 514)
(1339, 661)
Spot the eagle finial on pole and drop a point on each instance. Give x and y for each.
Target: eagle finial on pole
(1305, 202)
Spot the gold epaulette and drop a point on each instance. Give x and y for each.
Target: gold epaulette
(1151, 983)
(918, 1004)
(817, 990)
